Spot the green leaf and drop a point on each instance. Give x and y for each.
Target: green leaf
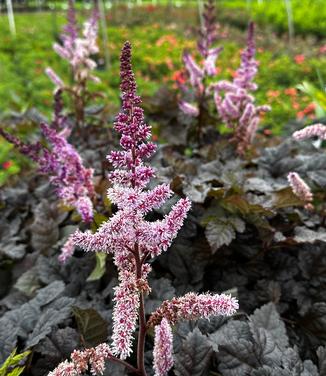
(12, 361)
(91, 325)
(100, 267)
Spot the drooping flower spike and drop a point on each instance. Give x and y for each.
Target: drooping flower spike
(315, 130)
(60, 161)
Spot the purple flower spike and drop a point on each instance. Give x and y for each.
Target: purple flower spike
(127, 232)
(233, 101)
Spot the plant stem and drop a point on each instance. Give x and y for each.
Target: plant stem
(125, 364)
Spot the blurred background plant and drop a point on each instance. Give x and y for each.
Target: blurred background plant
(160, 31)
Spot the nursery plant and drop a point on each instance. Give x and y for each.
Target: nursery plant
(233, 100)
(133, 241)
(77, 51)
(169, 237)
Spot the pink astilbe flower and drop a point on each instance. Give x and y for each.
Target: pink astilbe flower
(67, 250)
(62, 163)
(189, 109)
(92, 359)
(193, 306)
(54, 78)
(133, 241)
(72, 181)
(315, 130)
(127, 235)
(163, 348)
(125, 314)
(77, 51)
(236, 106)
(300, 188)
(199, 73)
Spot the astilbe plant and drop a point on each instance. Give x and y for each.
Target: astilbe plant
(299, 187)
(77, 51)
(61, 162)
(235, 105)
(133, 241)
(199, 74)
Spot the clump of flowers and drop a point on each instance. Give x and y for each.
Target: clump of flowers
(233, 100)
(61, 162)
(133, 241)
(234, 103)
(77, 51)
(199, 74)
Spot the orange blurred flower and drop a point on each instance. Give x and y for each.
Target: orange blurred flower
(291, 91)
(299, 59)
(168, 38)
(273, 93)
(179, 76)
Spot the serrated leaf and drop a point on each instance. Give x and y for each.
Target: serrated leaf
(100, 267)
(268, 318)
(28, 282)
(236, 203)
(321, 353)
(237, 358)
(219, 233)
(60, 344)
(285, 198)
(92, 327)
(266, 349)
(194, 356)
(46, 322)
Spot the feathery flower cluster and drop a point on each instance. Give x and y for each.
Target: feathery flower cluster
(193, 306)
(300, 188)
(163, 349)
(197, 74)
(236, 107)
(133, 241)
(127, 234)
(316, 130)
(77, 51)
(92, 359)
(61, 161)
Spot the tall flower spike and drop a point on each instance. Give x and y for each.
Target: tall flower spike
(198, 73)
(236, 105)
(300, 189)
(127, 235)
(163, 349)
